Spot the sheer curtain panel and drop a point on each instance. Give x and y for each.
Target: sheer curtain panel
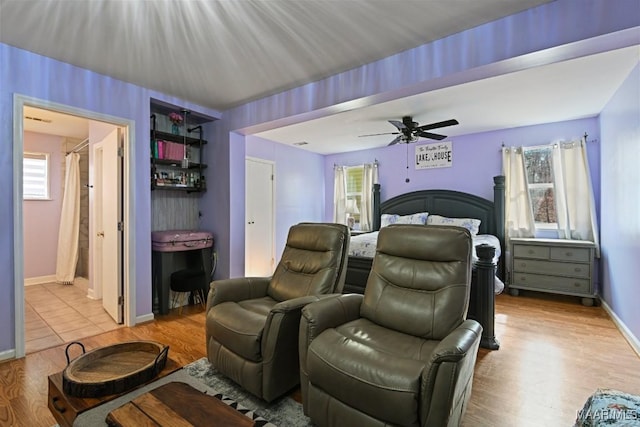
(340, 195)
(369, 177)
(574, 193)
(518, 215)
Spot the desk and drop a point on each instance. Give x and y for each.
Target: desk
(165, 263)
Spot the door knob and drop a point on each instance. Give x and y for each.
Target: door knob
(101, 234)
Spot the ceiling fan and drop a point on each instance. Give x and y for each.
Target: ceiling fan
(410, 131)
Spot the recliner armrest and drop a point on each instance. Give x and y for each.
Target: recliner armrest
(237, 289)
(328, 313)
(299, 303)
(458, 343)
(317, 317)
(447, 377)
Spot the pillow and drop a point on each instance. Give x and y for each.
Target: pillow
(473, 225)
(416, 218)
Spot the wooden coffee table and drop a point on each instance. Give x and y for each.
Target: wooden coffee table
(176, 404)
(65, 408)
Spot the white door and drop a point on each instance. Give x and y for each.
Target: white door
(259, 218)
(108, 216)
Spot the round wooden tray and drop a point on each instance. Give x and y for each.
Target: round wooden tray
(113, 369)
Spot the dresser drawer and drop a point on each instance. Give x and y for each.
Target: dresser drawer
(531, 251)
(570, 254)
(551, 268)
(552, 283)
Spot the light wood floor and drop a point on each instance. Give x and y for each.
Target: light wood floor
(554, 353)
(56, 314)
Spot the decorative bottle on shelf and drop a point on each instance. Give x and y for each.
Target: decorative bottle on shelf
(176, 120)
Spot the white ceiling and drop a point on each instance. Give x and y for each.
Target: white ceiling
(52, 123)
(575, 89)
(222, 53)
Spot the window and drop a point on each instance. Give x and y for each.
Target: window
(354, 194)
(539, 168)
(35, 176)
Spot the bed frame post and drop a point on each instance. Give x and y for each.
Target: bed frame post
(483, 296)
(498, 204)
(376, 207)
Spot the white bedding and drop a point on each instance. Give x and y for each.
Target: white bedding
(364, 245)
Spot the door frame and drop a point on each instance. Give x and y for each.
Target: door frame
(129, 207)
(273, 209)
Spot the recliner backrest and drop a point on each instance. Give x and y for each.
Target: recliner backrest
(313, 261)
(420, 280)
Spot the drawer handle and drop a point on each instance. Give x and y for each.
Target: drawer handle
(531, 251)
(578, 269)
(60, 409)
(523, 264)
(576, 284)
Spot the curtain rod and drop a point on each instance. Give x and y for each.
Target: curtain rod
(79, 147)
(585, 139)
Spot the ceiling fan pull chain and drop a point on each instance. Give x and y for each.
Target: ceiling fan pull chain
(407, 179)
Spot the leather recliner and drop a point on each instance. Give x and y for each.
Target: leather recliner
(402, 353)
(252, 323)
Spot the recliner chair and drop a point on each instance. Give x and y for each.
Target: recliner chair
(402, 353)
(252, 324)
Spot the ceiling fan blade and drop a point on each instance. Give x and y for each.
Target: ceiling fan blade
(376, 134)
(430, 135)
(395, 141)
(398, 124)
(438, 125)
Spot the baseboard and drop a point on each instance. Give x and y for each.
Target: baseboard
(633, 341)
(91, 294)
(39, 280)
(144, 318)
(7, 354)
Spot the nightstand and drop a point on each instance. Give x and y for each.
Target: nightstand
(554, 266)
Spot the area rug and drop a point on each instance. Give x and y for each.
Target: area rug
(284, 412)
(607, 407)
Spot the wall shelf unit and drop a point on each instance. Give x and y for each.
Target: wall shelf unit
(169, 169)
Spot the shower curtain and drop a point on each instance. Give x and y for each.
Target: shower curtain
(69, 222)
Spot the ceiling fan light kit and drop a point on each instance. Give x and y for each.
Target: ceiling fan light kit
(410, 131)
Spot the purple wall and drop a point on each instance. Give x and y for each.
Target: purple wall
(620, 224)
(476, 160)
(42, 217)
(36, 76)
(299, 185)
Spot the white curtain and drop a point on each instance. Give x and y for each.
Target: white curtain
(575, 203)
(519, 220)
(340, 195)
(69, 222)
(369, 177)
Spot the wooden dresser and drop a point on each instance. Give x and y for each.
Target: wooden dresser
(553, 265)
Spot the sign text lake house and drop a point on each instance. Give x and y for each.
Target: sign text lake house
(438, 155)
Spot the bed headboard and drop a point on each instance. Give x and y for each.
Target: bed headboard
(448, 203)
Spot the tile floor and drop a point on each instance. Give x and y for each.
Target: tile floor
(56, 314)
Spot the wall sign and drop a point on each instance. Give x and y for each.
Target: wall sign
(438, 155)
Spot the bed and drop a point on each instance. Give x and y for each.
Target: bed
(488, 269)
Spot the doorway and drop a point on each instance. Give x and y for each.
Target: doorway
(125, 241)
(259, 248)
